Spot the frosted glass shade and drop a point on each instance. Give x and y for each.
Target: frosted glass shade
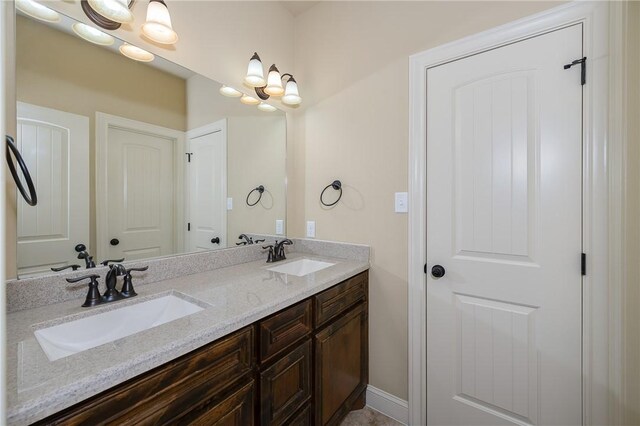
(38, 11)
(115, 10)
(255, 74)
(135, 53)
(92, 35)
(291, 95)
(274, 82)
(248, 100)
(266, 107)
(158, 25)
(230, 92)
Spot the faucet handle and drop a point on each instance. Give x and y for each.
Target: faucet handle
(127, 286)
(107, 262)
(270, 256)
(93, 296)
(62, 268)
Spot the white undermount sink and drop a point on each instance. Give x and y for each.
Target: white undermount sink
(75, 336)
(301, 267)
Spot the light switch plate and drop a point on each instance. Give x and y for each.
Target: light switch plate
(401, 202)
(229, 203)
(279, 227)
(311, 229)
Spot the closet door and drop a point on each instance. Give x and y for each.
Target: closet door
(504, 235)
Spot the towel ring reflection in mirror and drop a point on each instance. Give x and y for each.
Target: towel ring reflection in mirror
(32, 197)
(260, 190)
(336, 185)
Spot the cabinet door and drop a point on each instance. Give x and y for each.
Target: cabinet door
(234, 409)
(341, 366)
(285, 386)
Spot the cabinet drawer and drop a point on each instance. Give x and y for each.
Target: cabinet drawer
(303, 418)
(286, 386)
(235, 408)
(330, 303)
(167, 392)
(283, 329)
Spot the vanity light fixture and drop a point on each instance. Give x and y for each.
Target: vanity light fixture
(158, 25)
(38, 11)
(135, 53)
(273, 85)
(113, 10)
(92, 35)
(266, 107)
(249, 100)
(230, 92)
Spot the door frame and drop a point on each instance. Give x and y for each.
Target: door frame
(103, 123)
(603, 146)
(216, 126)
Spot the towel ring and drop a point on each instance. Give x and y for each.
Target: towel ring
(32, 197)
(260, 190)
(337, 185)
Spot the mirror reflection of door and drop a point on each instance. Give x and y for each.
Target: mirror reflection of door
(141, 181)
(55, 146)
(208, 186)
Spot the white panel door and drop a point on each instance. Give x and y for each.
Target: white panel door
(504, 211)
(208, 187)
(55, 147)
(140, 196)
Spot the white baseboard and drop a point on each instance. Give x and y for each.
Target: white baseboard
(387, 404)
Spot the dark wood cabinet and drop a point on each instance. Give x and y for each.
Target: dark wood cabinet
(341, 367)
(286, 386)
(304, 365)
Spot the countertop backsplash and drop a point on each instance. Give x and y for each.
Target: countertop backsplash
(44, 290)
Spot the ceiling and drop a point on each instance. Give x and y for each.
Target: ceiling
(298, 7)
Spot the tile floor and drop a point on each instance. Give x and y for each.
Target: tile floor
(368, 417)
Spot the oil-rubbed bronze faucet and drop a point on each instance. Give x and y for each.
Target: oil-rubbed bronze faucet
(112, 294)
(276, 251)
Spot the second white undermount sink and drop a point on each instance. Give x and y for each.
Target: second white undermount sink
(78, 335)
(301, 267)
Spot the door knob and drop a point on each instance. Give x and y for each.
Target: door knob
(438, 271)
(114, 242)
(215, 240)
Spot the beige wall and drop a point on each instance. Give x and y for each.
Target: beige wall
(60, 71)
(351, 61)
(631, 317)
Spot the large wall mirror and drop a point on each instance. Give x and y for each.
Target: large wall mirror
(136, 160)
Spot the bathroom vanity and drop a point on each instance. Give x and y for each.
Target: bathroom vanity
(263, 346)
(306, 364)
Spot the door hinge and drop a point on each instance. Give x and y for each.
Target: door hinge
(189, 154)
(425, 268)
(583, 68)
(189, 226)
(584, 264)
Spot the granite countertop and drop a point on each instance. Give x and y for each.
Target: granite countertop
(233, 297)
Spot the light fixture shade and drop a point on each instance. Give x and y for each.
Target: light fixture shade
(266, 107)
(158, 25)
(92, 35)
(274, 82)
(291, 95)
(248, 100)
(38, 11)
(135, 53)
(255, 74)
(230, 92)
(115, 10)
